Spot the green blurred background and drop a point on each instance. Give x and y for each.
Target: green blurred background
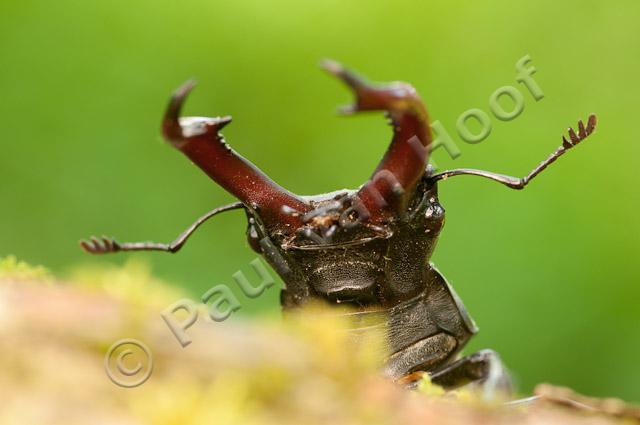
(550, 274)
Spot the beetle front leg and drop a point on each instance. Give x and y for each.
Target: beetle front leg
(106, 245)
(520, 183)
(484, 369)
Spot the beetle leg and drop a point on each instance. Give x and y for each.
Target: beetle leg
(425, 353)
(483, 369)
(109, 245)
(520, 183)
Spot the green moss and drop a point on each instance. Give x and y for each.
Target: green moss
(11, 268)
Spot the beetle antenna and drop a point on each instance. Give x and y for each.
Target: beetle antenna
(107, 245)
(520, 183)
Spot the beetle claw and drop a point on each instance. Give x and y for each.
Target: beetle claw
(408, 117)
(171, 122)
(177, 129)
(337, 69)
(369, 97)
(394, 96)
(350, 79)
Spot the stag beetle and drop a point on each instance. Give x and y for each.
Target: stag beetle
(368, 248)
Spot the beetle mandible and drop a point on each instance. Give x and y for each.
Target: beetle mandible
(368, 248)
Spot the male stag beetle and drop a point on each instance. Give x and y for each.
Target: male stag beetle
(368, 248)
